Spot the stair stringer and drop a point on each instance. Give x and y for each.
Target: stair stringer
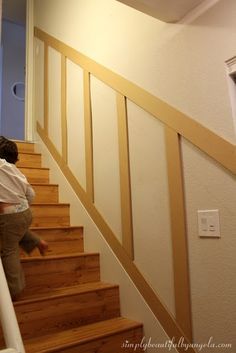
(132, 304)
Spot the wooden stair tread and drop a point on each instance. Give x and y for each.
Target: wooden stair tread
(41, 168)
(25, 146)
(56, 227)
(57, 204)
(43, 184)
(65, 291)
(61, 240)
(30, 153)
(80, 335)
(57, 257)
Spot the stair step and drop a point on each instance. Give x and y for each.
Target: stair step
(49, 272)
(45, 193)
(107, 336)
(29, 159)
(24, 146)
(36, 175)
(76, 306)
(49, 215)
(63, 291)
(61, 240)
(65, 308)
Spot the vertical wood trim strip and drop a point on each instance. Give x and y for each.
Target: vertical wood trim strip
(63, 109)
(179, 238)
(88, 137)
(46, 88)
(125, 185)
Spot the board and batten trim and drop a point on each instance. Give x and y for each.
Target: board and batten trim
(162, 314)
(209, 142)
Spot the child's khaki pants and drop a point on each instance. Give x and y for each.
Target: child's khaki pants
(13, 230)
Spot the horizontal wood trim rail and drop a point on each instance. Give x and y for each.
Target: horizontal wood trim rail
(160, 311)
(215, 146)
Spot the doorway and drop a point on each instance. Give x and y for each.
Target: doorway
(12, 71)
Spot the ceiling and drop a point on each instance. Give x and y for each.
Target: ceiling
(164, 10)
(14, 11)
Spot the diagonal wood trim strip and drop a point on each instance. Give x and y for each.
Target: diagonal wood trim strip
(209, 142)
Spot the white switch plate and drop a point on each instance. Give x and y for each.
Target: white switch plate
(208, 223)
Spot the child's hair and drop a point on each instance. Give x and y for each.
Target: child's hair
(8, 150)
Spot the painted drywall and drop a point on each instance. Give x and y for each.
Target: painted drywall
(75, 122)
(185, 66)
(106, 154)
(150, 202)
(54, 97)
(12, 112)
(212, 261)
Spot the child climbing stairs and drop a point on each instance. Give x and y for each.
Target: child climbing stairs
(65, 307)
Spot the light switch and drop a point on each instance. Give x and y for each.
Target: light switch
(208, 223)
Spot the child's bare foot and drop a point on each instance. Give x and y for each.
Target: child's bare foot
(43, 247)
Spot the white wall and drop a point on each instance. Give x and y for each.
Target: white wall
(185, 66)
(12, 112)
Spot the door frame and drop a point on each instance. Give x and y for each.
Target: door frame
(29, 71)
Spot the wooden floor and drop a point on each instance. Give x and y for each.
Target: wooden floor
(65, 307)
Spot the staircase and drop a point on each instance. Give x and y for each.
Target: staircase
(65, 307)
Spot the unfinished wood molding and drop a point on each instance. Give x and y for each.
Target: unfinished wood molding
(63, 109)
(125, 185)
(178, 232)
(88, 136)
(46, 88)
(215, 146)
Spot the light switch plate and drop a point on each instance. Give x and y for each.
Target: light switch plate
(208, 223)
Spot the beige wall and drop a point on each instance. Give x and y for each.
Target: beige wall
(75, 119)
(106, 154)
(185, 66)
